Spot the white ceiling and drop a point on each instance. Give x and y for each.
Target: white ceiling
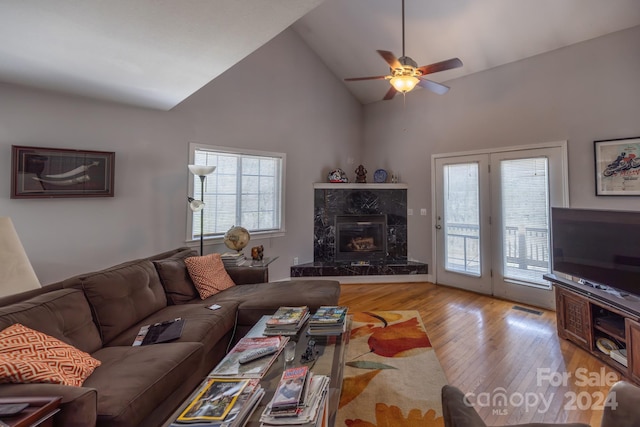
(155, 53)
(150, 53)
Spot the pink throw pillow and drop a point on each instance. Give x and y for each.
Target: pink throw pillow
(208, 274)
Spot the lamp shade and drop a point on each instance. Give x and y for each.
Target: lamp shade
(201, 170)
(16, 273)
(404, 84)
(195, 205)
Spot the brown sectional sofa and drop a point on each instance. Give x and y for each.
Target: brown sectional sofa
(101, 312)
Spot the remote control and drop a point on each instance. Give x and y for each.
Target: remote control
(250, 355)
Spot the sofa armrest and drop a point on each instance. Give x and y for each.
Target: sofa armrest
(248, 275)
(457, 411)
(77, 409)
(622, 408)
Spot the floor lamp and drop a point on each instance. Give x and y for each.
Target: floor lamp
(198, 205)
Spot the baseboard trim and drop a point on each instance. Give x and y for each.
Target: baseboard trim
(393, 278)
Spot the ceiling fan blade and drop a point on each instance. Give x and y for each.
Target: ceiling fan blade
(353, 79)
(390, 58)
(438, 88)
(440, 66)
(390, 93)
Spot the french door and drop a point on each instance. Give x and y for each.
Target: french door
(492, 224)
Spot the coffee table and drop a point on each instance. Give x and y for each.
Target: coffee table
(329, 361)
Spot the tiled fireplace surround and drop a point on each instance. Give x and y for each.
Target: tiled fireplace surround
(359, 199)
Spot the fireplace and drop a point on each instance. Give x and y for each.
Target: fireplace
(361, 238)
(384, 206)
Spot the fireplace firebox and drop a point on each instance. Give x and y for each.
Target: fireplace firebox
(361, 238)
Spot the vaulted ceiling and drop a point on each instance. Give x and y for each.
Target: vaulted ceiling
(156, 53)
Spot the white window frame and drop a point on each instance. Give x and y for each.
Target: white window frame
(219, 238)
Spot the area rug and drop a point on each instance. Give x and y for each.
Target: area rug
(392, 376)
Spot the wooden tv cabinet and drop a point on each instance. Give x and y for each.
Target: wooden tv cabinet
(586, 313)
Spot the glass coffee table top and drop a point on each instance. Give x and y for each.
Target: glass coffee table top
(329, 352)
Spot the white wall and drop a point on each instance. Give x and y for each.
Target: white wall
(581, 93)
(281, 98)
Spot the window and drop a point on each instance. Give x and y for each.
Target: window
(245, 189)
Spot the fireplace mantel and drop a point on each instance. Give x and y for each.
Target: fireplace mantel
(359, 186)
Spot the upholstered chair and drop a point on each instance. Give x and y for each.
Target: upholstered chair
(457, 413)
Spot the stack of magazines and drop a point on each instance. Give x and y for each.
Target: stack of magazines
(230, 366)
(222, 402)
(287, 321)
(232, 259)
(300, 399)
(328, 320)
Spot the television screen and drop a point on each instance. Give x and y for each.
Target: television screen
(601, 247)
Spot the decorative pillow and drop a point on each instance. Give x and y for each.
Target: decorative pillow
(175, 277)
(28, 356)
(208, 274)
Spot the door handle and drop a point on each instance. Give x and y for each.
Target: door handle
(438, 227)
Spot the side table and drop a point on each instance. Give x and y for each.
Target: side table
(40, 411)
(261, 268)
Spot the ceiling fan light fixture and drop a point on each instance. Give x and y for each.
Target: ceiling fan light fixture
(404, 84)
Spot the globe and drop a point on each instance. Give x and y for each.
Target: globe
(236, 238)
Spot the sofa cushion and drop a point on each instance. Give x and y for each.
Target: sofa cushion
(123, 295)
(208, 274)
(29, 356)
(261, 299)
(201, 324)
(133, 382)
(175, 277)
(62, 314)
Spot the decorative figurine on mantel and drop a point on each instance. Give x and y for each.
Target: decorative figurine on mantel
(361, 174)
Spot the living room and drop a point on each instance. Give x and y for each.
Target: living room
(580, 93)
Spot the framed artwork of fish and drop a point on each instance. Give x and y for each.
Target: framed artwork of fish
(38, 172)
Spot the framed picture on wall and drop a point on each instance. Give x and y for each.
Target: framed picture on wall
(38, 172)
(617, 167)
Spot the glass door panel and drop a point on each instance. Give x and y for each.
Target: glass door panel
(462, 218)
(525, 220)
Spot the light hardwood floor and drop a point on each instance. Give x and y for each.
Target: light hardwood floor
(489, 348)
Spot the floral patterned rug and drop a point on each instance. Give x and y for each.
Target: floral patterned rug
(392, 376)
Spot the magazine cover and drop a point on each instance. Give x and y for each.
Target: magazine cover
(287, 316)
(230, 365)
(329, 314)
(214, 401)
(289, 391)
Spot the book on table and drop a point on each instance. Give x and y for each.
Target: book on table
(235, 414)
(288, 316)
(290, 392)
(312, 412)
(230, 365)
(232, 259)
(287, 321)
(329, 314)
(328, 320)
(327, 330)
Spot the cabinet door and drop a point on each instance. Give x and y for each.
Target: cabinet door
(633, 349)
(574, 321)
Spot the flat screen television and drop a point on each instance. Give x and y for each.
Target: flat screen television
(599, 246)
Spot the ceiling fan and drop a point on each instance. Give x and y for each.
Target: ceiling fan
(405, 73)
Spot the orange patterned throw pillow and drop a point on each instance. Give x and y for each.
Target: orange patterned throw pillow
(208, 274)
(28, 356)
